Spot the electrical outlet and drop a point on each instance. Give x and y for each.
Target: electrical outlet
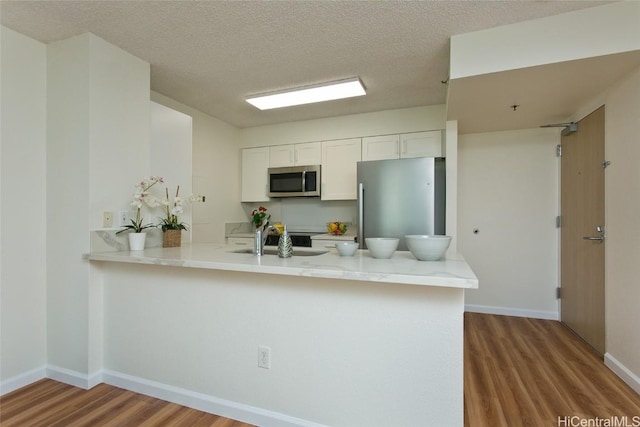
(264, 357)
(107, 219)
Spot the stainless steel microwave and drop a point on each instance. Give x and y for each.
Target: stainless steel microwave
(295, 181)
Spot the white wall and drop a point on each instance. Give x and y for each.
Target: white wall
(508, 190)
(216, 173)
(23, 311)
(585, 33)
(342, 353)
(171, 158)
(97, 149)
(352, 126)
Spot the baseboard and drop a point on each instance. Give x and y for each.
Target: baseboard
(74, 378)
(22, 380)
(204, 402)
(622, 371)
(508, 311)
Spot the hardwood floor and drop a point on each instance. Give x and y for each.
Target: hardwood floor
(518, 372)
(53, 404)
(529, 372)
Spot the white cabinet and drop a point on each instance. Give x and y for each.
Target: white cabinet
(339, 168)
(403, 146)
(328, 243)
(380, 147)
(421, 144)
(281, 156)
(240, 242)
(255, 162)
(308, 153)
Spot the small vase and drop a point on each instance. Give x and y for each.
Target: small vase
(171, 238)
(136, 241)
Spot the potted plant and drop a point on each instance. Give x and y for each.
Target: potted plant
(141, 195)
(260, 218)
(171, 226)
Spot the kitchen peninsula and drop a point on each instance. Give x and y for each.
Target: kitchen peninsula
(352, 341)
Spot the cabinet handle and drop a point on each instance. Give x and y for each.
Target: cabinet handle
(241, 244)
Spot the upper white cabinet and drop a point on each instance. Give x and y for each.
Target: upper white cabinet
(339, 168)
(255, 162)
(380, 147)
(403, 146)
(308, 153)
(421, 144)
(281, 156)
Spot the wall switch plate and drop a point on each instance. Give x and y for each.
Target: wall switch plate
(264, 357)
(107, 219)
(124, 218)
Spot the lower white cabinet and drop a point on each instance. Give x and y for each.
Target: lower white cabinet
(240, 242)
(327, 243)
(255, 163)
(339, 168)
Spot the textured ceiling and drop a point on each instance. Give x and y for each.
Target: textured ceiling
(210, 55)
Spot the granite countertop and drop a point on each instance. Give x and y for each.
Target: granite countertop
(402, 268)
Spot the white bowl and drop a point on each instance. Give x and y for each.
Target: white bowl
(427, 247)
(346, 248)
(382, 247)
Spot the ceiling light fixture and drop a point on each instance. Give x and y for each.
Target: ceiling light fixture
(340, 89)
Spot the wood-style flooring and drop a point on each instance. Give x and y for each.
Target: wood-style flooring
(529, 372)
(518, 372)
(48, 403)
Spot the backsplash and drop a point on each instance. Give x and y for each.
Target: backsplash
(307, 214)
(106, 240)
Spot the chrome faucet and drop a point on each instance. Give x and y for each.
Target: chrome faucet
(260, 239)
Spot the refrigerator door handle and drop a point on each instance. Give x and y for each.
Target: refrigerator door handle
(361, 215)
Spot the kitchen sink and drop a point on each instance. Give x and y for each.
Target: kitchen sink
(274, 251)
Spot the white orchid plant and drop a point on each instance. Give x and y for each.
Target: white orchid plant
(142, 196)
(173, 208)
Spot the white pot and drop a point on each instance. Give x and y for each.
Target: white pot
(136, 241)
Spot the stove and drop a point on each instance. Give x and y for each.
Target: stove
(298, 238)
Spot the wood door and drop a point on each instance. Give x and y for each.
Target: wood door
(582, 207)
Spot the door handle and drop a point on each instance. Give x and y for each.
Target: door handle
(599, 237)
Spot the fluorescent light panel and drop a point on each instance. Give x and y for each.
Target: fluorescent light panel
(306, 95)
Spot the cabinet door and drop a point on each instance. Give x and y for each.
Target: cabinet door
(380, 147)
(308, 153)
(339, 168)
(240, 242)
(421, 144)
(255, 162)
(326, 244)
(281, 156)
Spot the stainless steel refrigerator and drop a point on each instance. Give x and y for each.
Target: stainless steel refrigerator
(401, 197)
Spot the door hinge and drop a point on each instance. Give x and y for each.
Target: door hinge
(605, 163)
(558, 150)
(558, 292)
(558, 221)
